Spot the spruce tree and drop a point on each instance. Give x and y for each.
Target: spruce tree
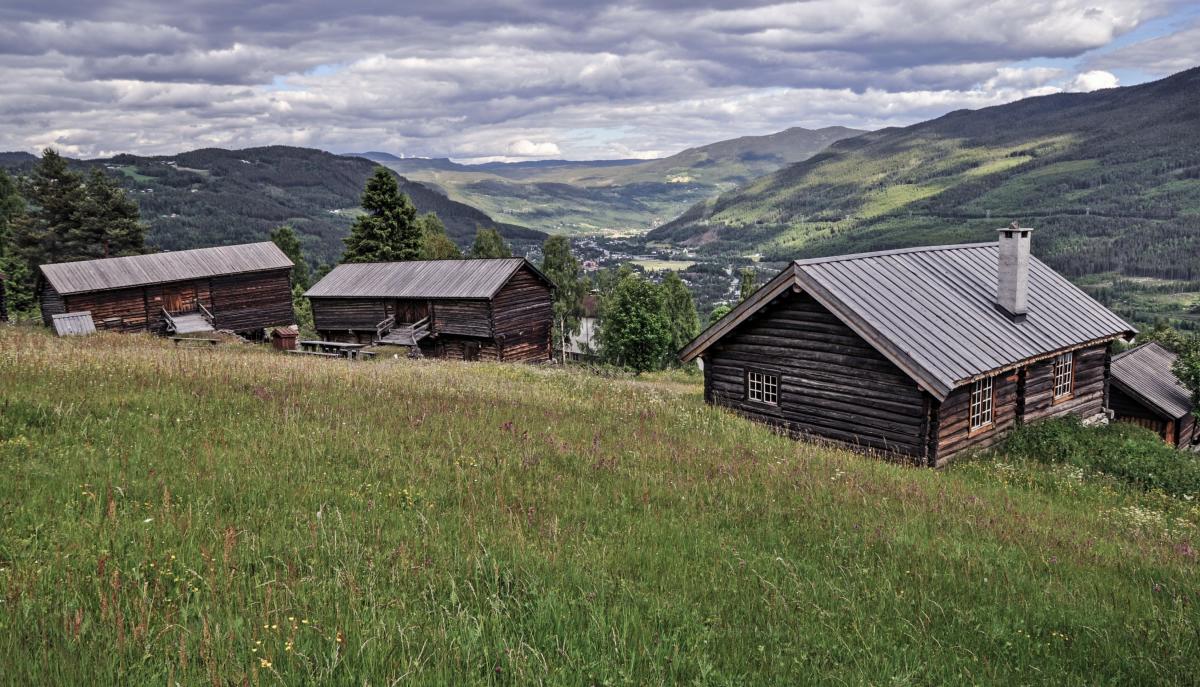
(489, 244)
(388, 230)
(56, 197)
(107, 224)
(563, 269)
(15, 270)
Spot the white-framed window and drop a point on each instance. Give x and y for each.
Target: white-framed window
(762, 387)
(1064, 374)
(981, 403)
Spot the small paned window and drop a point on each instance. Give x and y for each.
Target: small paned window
(762, 387)
(981, 403)
(1064, 375)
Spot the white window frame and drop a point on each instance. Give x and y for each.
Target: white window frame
(762, 387)
(1064, 375)
(983, 394)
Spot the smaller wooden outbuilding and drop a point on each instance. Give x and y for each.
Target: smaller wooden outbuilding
(242, 288)
(1145, 392)
(494, 309)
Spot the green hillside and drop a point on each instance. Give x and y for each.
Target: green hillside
(237, 516)
(619, 195)
(1110, 180)
(214, 196)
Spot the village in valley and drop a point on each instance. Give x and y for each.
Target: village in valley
(907, 397)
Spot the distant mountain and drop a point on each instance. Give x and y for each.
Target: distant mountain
(214, 196)
(1110, 181)
(570, 196)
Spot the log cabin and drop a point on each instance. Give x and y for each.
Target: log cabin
(1146, 392)
(244, 289)
(921, 353)
(494, 309)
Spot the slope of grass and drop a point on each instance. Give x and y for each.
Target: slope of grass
(235, 516)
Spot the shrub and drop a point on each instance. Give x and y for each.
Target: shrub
(1121, 450)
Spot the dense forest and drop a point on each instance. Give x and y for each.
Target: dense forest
(213, 197)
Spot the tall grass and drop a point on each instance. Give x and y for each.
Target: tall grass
(235, 516)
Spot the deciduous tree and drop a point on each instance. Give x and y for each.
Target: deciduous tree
(635, 333)
(680, 311)
(435, 244)
(490, 244)
(563, 269)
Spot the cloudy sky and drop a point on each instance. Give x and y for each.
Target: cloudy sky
(528, 79)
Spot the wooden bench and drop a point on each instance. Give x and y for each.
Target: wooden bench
(194, 340)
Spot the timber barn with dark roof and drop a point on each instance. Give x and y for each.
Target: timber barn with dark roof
(493, 309)
(924, 353)
(243, 288)
(1146, 392)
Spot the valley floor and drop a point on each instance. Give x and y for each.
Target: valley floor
(237, 516)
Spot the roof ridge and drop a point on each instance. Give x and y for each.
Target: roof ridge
(142, 256)
(893, 251)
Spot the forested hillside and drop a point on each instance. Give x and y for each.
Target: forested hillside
(1110, 180)
(614, 195)
(212, 196)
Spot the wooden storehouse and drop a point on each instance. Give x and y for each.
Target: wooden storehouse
(497, 309)
(1146, 392)
(243, 288)
(924, 353)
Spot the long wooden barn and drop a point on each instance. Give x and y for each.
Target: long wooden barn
(496, 309)
(1146, 392)
(925, 353)
(243, 288)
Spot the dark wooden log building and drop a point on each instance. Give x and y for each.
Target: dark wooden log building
(497, 309)
(1146, 392)
(243, 288)
(924, 353)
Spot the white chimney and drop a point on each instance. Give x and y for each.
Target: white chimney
(1012, 286)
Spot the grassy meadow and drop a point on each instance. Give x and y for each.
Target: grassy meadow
(236, 516)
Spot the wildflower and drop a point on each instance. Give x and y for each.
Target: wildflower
(264, 663)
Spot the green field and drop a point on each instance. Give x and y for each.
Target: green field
(663, 265)
(236, 516)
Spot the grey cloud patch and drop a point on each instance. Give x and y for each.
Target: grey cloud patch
(517, 79)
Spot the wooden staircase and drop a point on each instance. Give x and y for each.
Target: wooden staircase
(189, 323)
(405, 334)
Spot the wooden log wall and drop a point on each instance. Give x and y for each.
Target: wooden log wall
(52, 303)
(1088, 397)
(522, 314)
(334, 316)
(121, 310)
(243, 302)
(462, 317)
(1128, 409)
(954, 419)
(832, 383)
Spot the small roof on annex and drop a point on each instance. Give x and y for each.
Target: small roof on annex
(432, 279)
(932, 312)
(106, 274)
(1145, 373)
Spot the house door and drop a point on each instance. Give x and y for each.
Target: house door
(411, 311)
(173, 302)
(471, 350)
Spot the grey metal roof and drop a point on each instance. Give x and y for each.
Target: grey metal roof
(74, 323)
(1145, 373)
(932, 311)
(419, 279)
(159, 268)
